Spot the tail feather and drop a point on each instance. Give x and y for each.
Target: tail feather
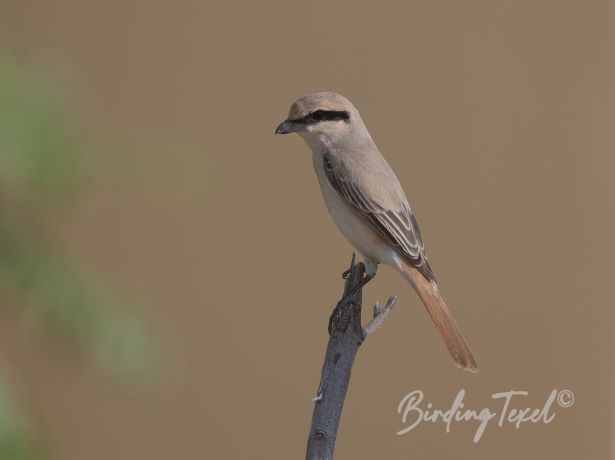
(442, 319)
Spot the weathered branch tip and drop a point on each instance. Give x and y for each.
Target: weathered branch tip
(380, 316)
(346, 334)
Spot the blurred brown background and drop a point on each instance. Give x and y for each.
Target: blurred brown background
(498, 119)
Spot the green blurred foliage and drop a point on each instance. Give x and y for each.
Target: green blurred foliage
(37, 153)
(16, 439)
(72, 304)
(41, 165)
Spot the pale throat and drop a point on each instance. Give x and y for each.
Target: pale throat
(316, 142)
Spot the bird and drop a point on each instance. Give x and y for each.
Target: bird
(368, 205)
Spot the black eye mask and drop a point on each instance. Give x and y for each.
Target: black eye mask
(324, 115)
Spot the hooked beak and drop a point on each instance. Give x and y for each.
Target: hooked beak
(287, 127)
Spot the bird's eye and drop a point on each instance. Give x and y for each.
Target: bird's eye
(319, 115)
(326, 115)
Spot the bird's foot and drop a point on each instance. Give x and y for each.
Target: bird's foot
(348, 297)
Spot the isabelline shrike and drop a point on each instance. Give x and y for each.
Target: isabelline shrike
(368, 204)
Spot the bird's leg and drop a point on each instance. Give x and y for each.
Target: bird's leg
(371, 269)
(366, 279)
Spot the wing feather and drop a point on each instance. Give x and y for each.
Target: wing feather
(396, 226)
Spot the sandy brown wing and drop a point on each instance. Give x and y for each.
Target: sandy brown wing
(398, 227)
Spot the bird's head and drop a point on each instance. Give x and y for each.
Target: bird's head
(322, 118)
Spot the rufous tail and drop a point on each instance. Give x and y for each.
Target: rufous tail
(442, 318)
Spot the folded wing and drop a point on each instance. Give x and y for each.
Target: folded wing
(388, 213)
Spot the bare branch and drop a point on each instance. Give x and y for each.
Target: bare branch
(345, 337)
(380, 316)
